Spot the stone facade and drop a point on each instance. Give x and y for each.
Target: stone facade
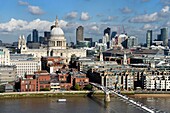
(4, 56)
(7, 73)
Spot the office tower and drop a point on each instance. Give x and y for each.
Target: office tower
(159, 37)
(100, 40)
(29, 39)
(113, 34)
(90, 40)
(149, 38)
(107, 31)
(164, 36)
(132, 41)
(79, 33)
(41, 39)
(35, 35)
(46, 34)
(0, 42)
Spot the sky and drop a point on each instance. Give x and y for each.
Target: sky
(20, 17)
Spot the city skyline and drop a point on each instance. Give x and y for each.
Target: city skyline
(136, 16)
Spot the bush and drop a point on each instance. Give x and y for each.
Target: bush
(88, 87)
(77, 87)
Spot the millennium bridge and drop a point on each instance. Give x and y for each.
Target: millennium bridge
(127, 99)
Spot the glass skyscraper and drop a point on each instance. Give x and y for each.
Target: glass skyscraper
(35, 35)
(149, 38)
(79, 34)
(164, 36)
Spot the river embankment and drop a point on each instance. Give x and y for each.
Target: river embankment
(145, 94)
(49, 94)
(81, 94)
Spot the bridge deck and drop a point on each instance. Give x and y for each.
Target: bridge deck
(106, 91)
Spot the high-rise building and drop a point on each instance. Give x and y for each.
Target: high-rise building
(29, 39)
(100, 40)
(0, 42)
(46, 34)
(159, 37)
(41, 39)
(149, 38)
(107, 31)
(79, 33)
(90, 40)
(35, 35)
(132, 41)
(113, 34)
(164, 36)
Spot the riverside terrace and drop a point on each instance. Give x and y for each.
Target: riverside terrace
(126, 78)
(63, 79)
(123, 78)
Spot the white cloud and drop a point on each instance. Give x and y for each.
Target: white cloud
(109, 18)
(12, 25)
(35, 10)
(145, 18)
(153, 17)
(40, 25)
(71, 15)
(165, 9)
(63, 23)
(168, 24)
(126, 10)
(23, 3)
(164, 12)
(21, 25)
(149, 26)
(95, 28)
(84, 16)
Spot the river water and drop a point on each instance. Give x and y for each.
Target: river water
(78, 105)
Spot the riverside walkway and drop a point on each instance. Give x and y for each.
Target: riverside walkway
(107, 91)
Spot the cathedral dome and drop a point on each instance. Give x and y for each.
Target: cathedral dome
(57, 31)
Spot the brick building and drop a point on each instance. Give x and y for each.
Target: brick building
(52, 64)
(39, 81)
(68, 78)
(80, 79)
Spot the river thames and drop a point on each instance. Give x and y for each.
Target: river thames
(78, 105)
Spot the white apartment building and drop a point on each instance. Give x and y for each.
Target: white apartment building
(4, 56)
(158, 82)
(7, 73)
(25, 64)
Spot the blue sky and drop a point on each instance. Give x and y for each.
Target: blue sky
(19, 17)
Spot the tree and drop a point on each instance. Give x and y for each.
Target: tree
(77, 87)
(88, 87)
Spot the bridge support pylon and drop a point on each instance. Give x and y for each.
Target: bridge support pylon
(107, 97)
